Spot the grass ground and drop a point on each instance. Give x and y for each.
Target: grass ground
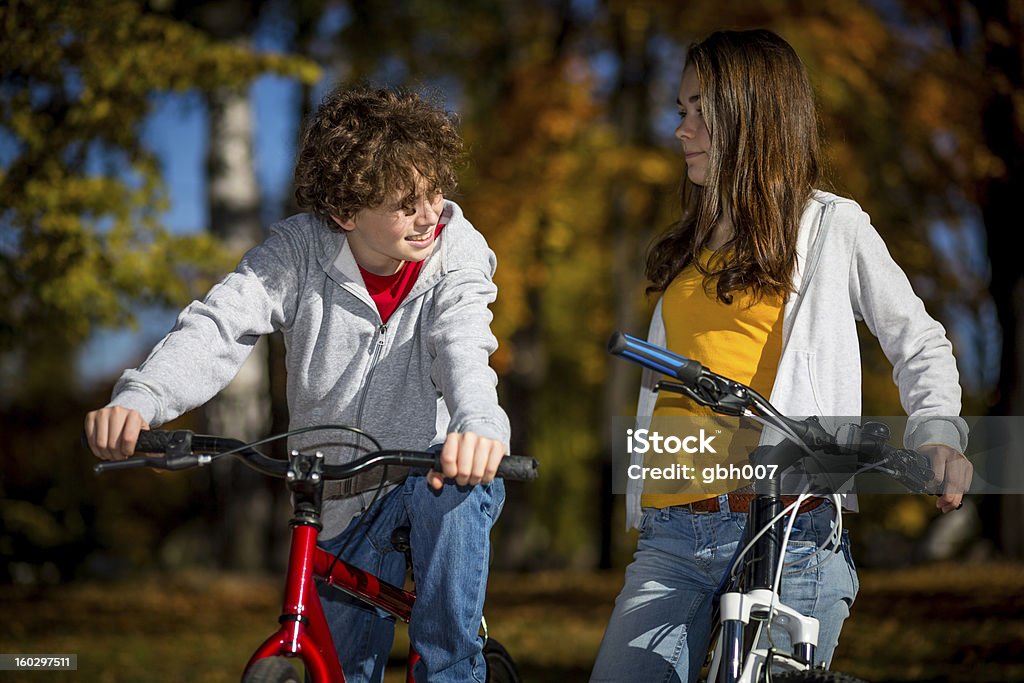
(940, 622)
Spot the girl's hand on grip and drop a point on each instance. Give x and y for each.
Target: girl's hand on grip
(953, 475)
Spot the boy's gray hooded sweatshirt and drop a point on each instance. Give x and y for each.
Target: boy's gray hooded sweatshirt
(845, 274)
(408, 382)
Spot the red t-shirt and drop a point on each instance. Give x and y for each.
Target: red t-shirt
(388, 291)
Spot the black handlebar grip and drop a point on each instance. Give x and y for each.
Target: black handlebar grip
(153, 441)
(150, 441)
(655, 358)
(518, 467)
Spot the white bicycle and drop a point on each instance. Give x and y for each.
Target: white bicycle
(751, 602)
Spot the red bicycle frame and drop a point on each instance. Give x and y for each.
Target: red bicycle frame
(304, 632)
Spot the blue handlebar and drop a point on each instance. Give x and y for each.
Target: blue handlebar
(655, 358)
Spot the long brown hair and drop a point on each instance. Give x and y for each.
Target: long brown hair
(763, 166)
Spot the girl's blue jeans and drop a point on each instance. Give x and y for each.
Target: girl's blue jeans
(661, 625)
(449, 534)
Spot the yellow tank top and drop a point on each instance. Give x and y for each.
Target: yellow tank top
(741, 341)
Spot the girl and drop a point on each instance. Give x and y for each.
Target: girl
(762, 281)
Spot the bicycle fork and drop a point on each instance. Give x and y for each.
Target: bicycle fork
(760, 603)
(303, 628)
(737, 610)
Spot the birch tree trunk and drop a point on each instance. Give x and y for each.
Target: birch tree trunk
(242, 499)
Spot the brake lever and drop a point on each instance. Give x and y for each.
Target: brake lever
(179, 455)
(723, 396)
(914, 469)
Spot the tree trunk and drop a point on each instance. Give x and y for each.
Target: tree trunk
(1002, 25)
(631, 110)
(241, 504)
(242, 499)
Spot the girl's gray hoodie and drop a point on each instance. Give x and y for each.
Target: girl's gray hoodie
(845, 274)
(408, 382)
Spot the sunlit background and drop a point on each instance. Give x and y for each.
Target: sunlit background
(145, 146)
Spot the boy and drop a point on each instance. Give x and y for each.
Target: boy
(382, 292)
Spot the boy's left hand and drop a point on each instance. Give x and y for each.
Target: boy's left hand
(468, 459)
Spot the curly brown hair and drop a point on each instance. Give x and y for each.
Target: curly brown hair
(366, 146)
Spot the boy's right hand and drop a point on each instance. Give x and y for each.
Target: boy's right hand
(113, 432)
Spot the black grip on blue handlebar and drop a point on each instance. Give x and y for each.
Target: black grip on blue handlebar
(655, 358)
(518, 467)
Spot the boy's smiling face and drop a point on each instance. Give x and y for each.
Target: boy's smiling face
(383, 237)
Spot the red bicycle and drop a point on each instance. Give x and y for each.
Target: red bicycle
(303, 632)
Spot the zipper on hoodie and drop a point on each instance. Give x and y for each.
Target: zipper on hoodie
(375, 350)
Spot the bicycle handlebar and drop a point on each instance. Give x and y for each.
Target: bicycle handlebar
(656, 358)
(730, 397)
(182, 449)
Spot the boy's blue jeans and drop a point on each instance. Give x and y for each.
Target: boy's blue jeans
(450, 537)
(661, 625)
